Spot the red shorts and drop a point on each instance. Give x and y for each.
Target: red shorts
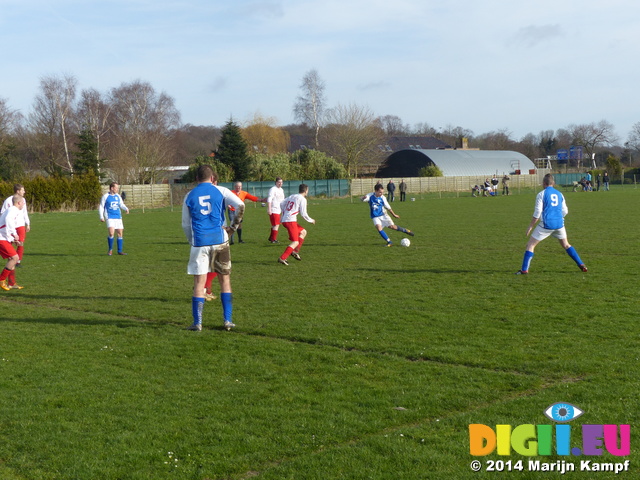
(22, 233)
(294, 230)
(7, 250)
(275, 219)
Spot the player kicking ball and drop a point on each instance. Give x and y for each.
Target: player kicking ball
(379, 207)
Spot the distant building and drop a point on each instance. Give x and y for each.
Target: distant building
(452, 163)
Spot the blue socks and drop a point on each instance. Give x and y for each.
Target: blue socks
(526, 261)
(384, 235)
(227, 305)
(110, 242)
(574, 255)
(120, 243)
(197, 304)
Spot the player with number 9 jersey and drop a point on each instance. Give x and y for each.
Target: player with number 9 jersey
(550, 209)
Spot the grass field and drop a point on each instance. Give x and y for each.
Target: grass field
(358, 362)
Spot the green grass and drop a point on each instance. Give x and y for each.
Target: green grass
(358, 362)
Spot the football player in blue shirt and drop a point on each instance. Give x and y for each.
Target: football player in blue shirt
(111, 205)
(379, 207)
(203, 222)
(550, 209)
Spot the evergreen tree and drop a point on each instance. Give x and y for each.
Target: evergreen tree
(232, 151)
(86, 159)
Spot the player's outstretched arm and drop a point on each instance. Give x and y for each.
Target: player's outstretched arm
(534, 220)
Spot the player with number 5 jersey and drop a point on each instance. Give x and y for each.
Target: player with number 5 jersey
(550, 210)
(203, 222)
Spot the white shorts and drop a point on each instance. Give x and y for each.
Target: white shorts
(384, 220)
(212, 258)
(540, 233)
(115, 223)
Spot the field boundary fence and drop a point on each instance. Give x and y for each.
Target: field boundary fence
(164, 195)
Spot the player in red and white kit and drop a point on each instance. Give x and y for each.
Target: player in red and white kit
(9, 222)
(291, 207)
(274, 199)
(24, 225)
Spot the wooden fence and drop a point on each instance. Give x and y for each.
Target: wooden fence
(163, 195)
(362, 186)
(144, 196)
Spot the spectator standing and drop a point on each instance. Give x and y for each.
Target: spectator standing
(605, 181)
(505, 184)
(391, 190)
(403, 191)
(494, 184)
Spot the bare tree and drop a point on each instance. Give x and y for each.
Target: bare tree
(94, 114)
(454, 135)
(424, 129)
(310, 104)
(143, 125)
(593, 135)
(498, 140)
(9, 120)
(52, 117)
(352, 136)
(392, 125)
(633, 139)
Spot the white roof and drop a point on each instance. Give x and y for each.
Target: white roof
(454, 163)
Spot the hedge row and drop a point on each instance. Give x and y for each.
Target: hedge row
(82, 192)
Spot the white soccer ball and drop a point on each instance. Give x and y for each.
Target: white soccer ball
(405, 242)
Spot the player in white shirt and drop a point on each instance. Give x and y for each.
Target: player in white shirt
(24, 224)
(291, 207)
(9, 221)
(274, 199)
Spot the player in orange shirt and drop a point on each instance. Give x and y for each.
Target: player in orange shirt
(237, 189)
(242, 194)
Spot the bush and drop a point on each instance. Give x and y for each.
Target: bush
(224, 172)
(82, 192)
(430, 171)
(318, 165)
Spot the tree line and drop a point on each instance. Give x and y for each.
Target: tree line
(134, 132)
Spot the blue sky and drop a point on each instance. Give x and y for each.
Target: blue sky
(486, 65)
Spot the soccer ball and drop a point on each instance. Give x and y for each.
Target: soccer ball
(405, 242)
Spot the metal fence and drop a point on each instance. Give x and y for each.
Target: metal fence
(317, 188)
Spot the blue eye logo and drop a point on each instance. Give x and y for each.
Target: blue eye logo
(563, 412)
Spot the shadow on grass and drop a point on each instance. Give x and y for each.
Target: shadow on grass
(120, 323)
